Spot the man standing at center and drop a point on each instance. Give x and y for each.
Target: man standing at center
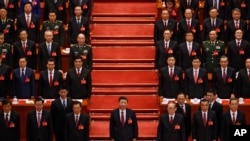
(123, 122)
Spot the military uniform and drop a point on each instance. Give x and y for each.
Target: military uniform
(211, 53)
(58, 31)
(7, 27)
(5, 52)
(84, 51)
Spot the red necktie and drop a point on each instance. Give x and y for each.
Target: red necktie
(238, 44)
(38, 119)
(213, 24)
(204, 119)
(189, 3)
(76, 120)
(237, 25)
(50, 79)
(166, 47)
(24, 47)
(171, 74)
(165, 25)
(122, 118)
(78, 72)
(188, 25)
(195, 76)
(28, 21)
(6, 3)
(224, 75)
(234, 119)
(182, 109)
(7, 120)
(189, 49)
(171, 120)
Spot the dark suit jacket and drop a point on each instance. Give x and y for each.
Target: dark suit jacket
(161, 55)
(47, 91)
(207, 27)
(238, 4)
(35, 6)
(230, 31)
(12, 8)
(170, 132)
(6, 50)
(86, 6)
(23, 87)
(8, 29)
(43, 56)
(74, 29)
(194, 6)
(218, 109)
(159, 29)
(192, 89)
(73, 132)
(185, 60)
(227, 121)
(187, 118)
(201, 132)
(169, 88)
(4, 80)
(123, 133)
(58, 114)
(243, 84)
(42, 133)
(182, 29)
(12, 133)
(33, 29)
(224, 89)
(18, 53)
(59, 7)
(223, 13)
(79, 86)
(235, 56)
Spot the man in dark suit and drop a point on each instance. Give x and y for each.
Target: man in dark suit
(59, 108)
(216, 107)
(231, 117)
(56, 26)
(39, 124)
(191, 4)
(77, 124)
(25, 48)
(243, 5)
(78, 24)
(50, 81)
(195, 80)
(237, 51)
(59, 6)
(86, 6)
(11, 6)
(5, 72)
(220, 5)
(204, 126)
(224, 81)
(171, 125)
(49, 49)
(9, 123)
(185, 110)
(23, 80)
(78, 80)
(162, 24)
(188, 50)
(188, 24)
(234, 24)
(243, 81)
(29, 22)
(171, 79)
(6, 51)
(35, 6)
(7, 26)
(123, 122)
(213, 23)
(165, 48)
(83, 50)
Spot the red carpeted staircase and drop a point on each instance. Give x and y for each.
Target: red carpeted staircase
(123, 56)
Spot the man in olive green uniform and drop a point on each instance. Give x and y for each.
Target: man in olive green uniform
(56, 26)
(212, 50)
(83, 50)
(7, 26)
(5, 51)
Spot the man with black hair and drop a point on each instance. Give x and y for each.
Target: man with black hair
(123, 122)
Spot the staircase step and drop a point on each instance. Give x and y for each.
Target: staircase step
(118, 19)
(122, 66)
(139, 116)
(124, 78)
(147, 130)
(122, 31)
(139, 103)
(122, 42)
(123, 54)
(124, 90)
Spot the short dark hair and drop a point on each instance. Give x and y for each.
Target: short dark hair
(236, 9)
(63, 87)
(170, 56)
(204, 100)
(39, 99)
(77, 103)
(189, 32)
(51, 60)
(196, 58)
(52, 11)
(122, 98)
(78, 57)
(6, 101)
(21, 30)
(224, 56)
(213, 8)
(211, 91)
(22, 57)
(27, 3)
(233, 99)
(172, 1)
(180, 93)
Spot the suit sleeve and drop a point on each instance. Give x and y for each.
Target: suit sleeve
(34, 56)
(160, 130)
(205, 83)
(71, 57)
(45, 11)
(66, 129)
(215, 127)
(194, 128)
(40, 86)
(39, 57)
(71, 8)
(155, 33)
(61, 42)
(14, 81)
(53, 113)
(28, 123)
(89, 84)
(86, 127)
(38, 27)
(90, 58)
(70, 38)
(50, 127)
(33, 87)
(59, 58)
(156, 55)
(111, 126)
(17, 124)
(161, 84)
(183, 131)
(135, 126)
